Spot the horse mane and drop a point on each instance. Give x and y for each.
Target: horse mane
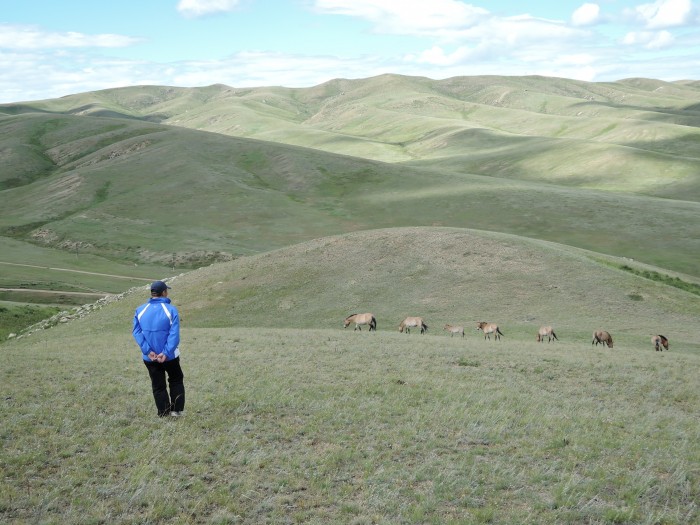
(349, 316)
(663, 336)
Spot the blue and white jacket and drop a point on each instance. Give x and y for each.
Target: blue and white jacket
(157, 328)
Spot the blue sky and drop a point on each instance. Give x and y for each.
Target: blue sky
(51, 48)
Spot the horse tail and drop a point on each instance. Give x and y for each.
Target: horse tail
(554, 335)
(373, 324)
(423, 327)
(498, 330)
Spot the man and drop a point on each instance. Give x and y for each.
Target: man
(157, 332)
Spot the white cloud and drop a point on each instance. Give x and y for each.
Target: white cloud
(523, 30)
(649, 39)
(517, 45)
(46, 74)
(664, 13)
(437, 56)
(438, 17)
(586, 15)
(255, 69)
(28, 37)
(196, 8)
(576, 59)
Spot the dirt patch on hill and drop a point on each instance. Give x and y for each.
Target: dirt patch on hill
(115, 152)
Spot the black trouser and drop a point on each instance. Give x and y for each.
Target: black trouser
(176, 400)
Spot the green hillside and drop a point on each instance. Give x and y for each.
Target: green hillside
(637, 135)
(165, 195)
(152, 178)
(445, 275)
(291, 418)
(274, 213)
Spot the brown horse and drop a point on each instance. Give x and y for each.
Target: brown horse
(413, 322)
(360, 319)
(454, 330)
(602, 337)
(548, 332)
(660, 342)
(488, 329)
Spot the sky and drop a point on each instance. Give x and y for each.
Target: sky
(52, 48)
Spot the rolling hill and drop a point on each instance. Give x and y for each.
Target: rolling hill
(635, 135)
(446, 275)
(178, 178)
(290, 416)
(274, 214)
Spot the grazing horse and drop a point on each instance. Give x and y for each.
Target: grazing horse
(602, 337)
(360, 319)
(660, 342)
(454, 330)
(488, 329)
(413, 322)
(548, 332)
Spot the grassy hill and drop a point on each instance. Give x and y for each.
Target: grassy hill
(636, 135)
(292, 418)
(178, 178)
(144, 193)
(446, 275)
(522, 201)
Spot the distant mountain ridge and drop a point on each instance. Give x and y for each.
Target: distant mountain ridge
(637, 135)
(185, 176)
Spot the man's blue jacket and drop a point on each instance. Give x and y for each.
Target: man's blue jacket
(157, 328)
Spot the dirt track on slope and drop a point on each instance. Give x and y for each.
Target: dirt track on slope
(78, 271)
(55, 292)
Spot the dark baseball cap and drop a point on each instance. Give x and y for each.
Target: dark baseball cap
(159, 287)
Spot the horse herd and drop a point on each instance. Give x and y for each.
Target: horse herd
(599, 336)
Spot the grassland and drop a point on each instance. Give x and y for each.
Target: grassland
(445, 275)
(324, 426)
(175, 177)
(291, 419)
(523, 201)
(194, 198)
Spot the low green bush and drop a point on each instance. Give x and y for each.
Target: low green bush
(663, 278)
